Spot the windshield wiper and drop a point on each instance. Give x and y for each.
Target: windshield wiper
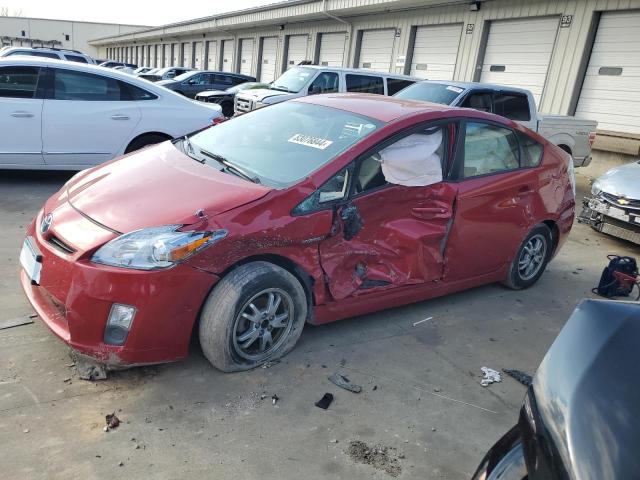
(230, 166)
(189, 150)
(280, 88)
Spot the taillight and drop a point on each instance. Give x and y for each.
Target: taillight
(217, 120)
(592, 138)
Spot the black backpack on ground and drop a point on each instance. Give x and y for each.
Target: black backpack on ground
(618, 278)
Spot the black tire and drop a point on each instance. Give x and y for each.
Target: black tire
(224, 320)
(227, 109)
(519, 277)
(144, 141)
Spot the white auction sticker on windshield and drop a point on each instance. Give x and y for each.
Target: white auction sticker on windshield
(309, 141)
(454, 89)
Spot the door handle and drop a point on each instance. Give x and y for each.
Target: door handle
(21, 114)
(428, 213)
(524, 191)
(119, 116)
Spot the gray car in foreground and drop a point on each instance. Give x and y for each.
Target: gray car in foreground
(614, 206)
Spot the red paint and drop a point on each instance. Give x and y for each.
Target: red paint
(416, 242)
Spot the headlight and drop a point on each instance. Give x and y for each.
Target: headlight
(596, 188)
(155, 248)
(258, 105)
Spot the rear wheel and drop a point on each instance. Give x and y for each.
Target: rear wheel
(144, 141)
(531, 260)
(255, 314)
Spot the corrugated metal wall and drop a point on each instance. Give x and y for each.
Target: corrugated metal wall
(564, 73)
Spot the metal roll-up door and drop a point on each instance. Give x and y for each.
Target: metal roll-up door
(296, 50)
(198, 55)
(175, 55)
(246, 56)
(227, 55)
(332, 49)
(610, 92)
(186, 54)
(518, 53)
(435, 51)
(166, 55)
(268, 59)
(376, 49)
(212, 55)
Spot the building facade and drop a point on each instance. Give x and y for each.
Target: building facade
(42, 32)
(578, 57)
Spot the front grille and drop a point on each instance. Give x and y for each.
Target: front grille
(243, 105)
(60, 245)
(627, 202)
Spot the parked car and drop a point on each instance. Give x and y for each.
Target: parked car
(574, 135)
(225, 98)
(312, 210)
(579, 418)
(614, 205)
(141, 70)
(167, 73)
(191, 83)
(123, 69)
(64, 115)
(113, 64)
(311, 79)
(57, 53)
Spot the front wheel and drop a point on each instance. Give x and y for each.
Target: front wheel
(531, 260)
(255, 314)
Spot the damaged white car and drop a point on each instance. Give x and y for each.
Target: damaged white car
(614, 207)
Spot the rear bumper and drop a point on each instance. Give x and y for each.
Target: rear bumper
(75, 296)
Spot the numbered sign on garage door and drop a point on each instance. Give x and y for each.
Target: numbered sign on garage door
(227, 55)
(186, 54)
(246, 56)
(296, 50)
(332, 49)
(268, 59)
(518, 53)
(376, 49)
(212, 55)
(197, 55)
(435, 51)
(611, 90)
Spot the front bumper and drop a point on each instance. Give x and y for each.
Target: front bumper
(611, 219)
(74, 297)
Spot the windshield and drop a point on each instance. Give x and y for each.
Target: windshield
(283, 143)
(184, 76)
(431, 92)
(293, 79)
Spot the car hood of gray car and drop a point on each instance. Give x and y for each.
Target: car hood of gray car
(621, 181)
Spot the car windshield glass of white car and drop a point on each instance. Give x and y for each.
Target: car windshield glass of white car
(281, 144)
(293, 79)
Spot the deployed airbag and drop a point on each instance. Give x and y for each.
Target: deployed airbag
(413, 161)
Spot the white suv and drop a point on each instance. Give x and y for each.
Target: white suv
(313, 79)
(68, 116)
(60, 54)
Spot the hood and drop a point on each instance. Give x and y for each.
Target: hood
(259, 94)
(157, 186)
(164, 83)
(584, 403)
(621, 181)
(212, 93)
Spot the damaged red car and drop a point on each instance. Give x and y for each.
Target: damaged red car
(308, 211)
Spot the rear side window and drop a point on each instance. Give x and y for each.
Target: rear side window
(131, 92)
(237, 80)
(394, 85)
(75, 58)
(70, 85)
(531, 151)
(18, 82)
(512, 106)
(223, 80)
(365, 84)
(489, 149)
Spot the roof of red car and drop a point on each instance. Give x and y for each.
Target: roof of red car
(379, 107)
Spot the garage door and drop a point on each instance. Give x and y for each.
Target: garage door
(268, 60)
(197, 55)
(167, 55)
(611, 90)
(186, 54)
(518, 53)
(331, 49)
(227, 55)
(376, 50)
(212, 55)
(435, 51)
(246, 56)
(175, 55)
(296, 50)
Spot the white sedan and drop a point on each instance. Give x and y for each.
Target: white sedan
(68, 116)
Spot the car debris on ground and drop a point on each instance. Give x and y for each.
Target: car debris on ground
(87, 369)
(378, 456)
(325, 401)
(422, 321)
(112, 422)
(17, 322)
(343, 382)
(490, 376)
(519, 375)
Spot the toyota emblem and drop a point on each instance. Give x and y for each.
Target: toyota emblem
(46, 223)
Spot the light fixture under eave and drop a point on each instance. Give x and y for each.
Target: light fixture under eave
(474, 6)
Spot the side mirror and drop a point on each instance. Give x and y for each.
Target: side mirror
(315, 90)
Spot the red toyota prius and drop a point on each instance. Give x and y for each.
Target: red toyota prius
(308, 211)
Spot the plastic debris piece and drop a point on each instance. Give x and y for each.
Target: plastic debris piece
(422, 321)
(325, 401)
(490, 376)
(16, 322)
(275, 398)
(112, 422)
(519, 375)
(343, 382)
